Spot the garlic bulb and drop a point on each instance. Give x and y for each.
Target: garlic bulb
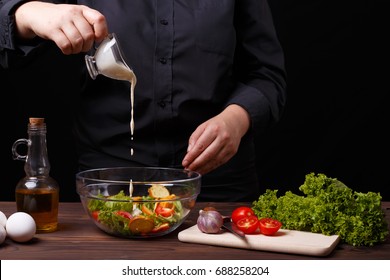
(209, 221)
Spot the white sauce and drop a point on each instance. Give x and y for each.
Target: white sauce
(118, 70)
(131, 188)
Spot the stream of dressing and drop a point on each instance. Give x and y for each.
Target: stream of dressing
(120, 71)
(133, 80)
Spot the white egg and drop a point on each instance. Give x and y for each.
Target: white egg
(20, 227)
(3, 234)
(3, 219)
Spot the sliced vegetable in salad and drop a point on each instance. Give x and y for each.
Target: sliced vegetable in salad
(127, 215)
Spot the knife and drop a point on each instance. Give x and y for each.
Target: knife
(230, 226)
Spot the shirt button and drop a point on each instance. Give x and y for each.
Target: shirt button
(163, 21)
(163, 60)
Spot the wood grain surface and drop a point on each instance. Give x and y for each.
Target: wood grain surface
(79, 239)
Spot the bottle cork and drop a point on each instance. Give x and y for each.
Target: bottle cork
(37, 121)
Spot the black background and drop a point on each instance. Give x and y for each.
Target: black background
(336, 120)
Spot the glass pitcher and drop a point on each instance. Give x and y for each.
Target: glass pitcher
(109, 61)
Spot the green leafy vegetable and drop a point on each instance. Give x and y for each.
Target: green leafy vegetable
(110, 205)
(328, 207)
(107, 212)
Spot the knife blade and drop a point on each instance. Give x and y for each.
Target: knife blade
(230, 226)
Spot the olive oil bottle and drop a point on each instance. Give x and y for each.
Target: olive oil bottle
(37, 193)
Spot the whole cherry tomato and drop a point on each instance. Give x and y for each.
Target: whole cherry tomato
(242, 212)
(269, 226)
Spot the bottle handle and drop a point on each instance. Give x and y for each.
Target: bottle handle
(15, 153)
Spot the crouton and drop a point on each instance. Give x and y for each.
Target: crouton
(158, 191)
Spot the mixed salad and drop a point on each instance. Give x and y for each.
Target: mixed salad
(129, 216)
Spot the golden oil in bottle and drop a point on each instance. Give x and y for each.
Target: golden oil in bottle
(41, 204)
(37, 193)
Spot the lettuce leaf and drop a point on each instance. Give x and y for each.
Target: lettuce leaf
(329, 207)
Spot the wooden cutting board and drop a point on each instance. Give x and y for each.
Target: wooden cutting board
(284, 241)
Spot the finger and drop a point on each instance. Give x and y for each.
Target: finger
(197, 148)
(216, 154)
(98, 22)
(190, 156)
(81, 31)
(84, 40)
(62, 41)
(195, 136)
(211, 157)
(74, 37)
(91, 27)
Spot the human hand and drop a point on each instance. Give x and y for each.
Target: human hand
(216, 141)
(74, 28)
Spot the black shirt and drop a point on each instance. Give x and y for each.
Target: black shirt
(192, 58)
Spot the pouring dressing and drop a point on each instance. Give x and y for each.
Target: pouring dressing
(109, 61)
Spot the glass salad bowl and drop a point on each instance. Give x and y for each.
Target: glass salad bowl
(138, 202)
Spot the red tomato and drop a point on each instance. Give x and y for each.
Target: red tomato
(269, 226)
(124, 214)
(248, 224)
(164, 211)
(242, 212)
(162, 227)
(95, 215)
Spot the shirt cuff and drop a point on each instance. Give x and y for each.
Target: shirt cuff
(7, 28)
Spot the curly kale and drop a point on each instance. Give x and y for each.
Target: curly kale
(329, 207)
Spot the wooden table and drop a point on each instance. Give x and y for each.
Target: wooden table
(79, 239)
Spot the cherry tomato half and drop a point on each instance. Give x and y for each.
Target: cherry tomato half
(248, 224)
(269, 226)
(164, 211)
(242, 212)
(95, 215)
(162, 227)
(123, 214)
